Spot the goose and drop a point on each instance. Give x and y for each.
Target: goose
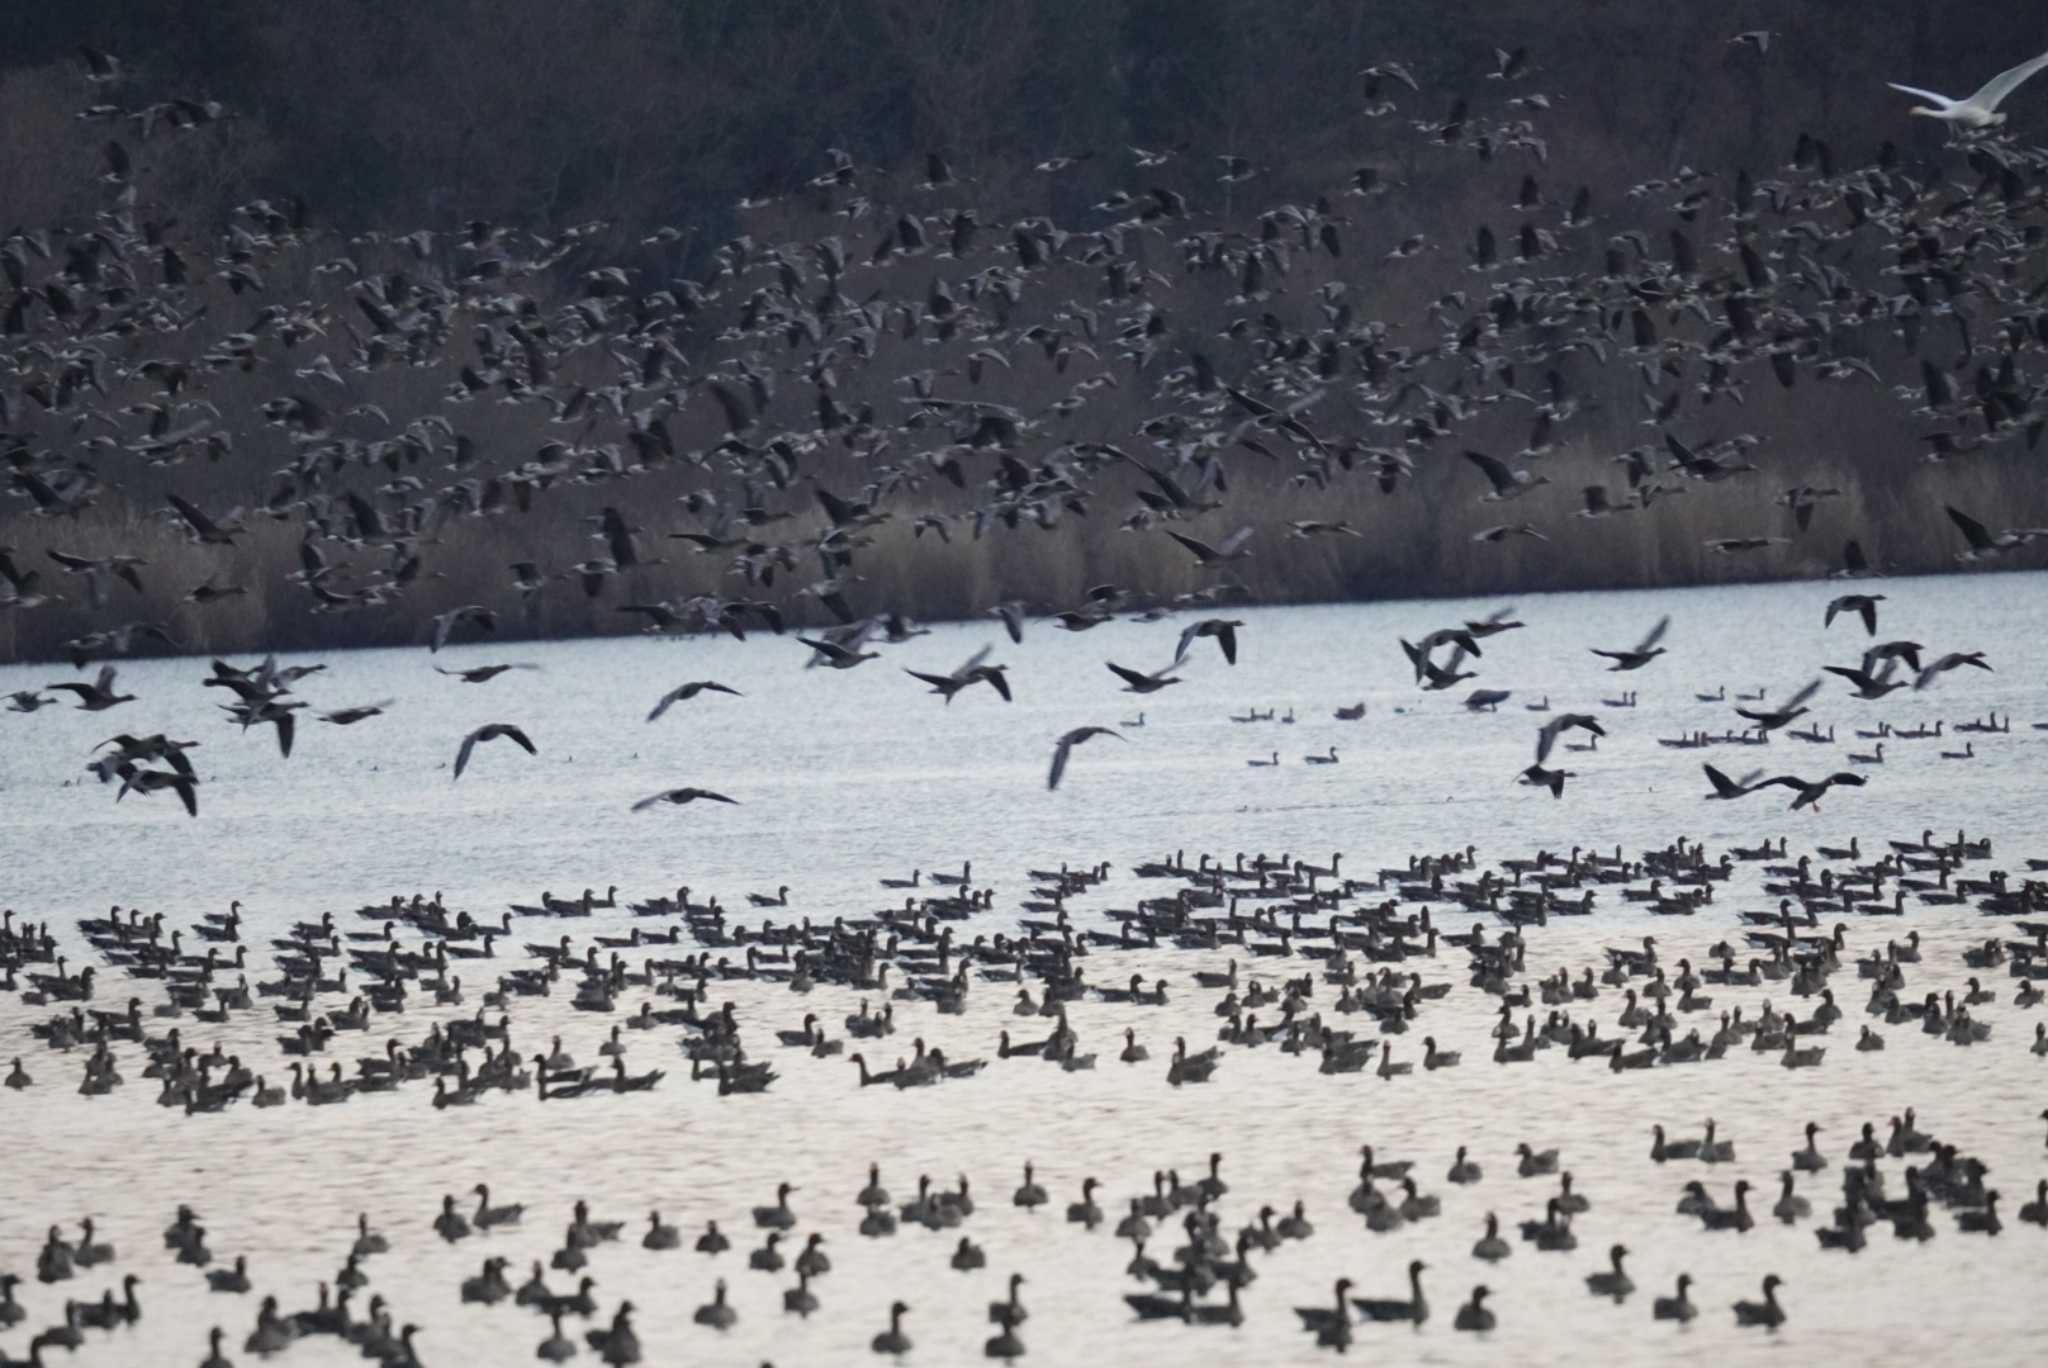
(1614, 1282)
(1265, 764)
(1085, 1212)
(767, 1258)
(1029, 1194)
(1644, 651)
(1331, 1324)
(490, 1217)
(1790, 1207)
(1809, 1159)
(813, 1262)
(893, 1340)
(1463, 1170)
(779, 1216)
(232, 1280)
(1534, 1163)
(487, 1287)
(1415, 1308)
(713, 1240)
(1736, 1218)
(1329, 759)
(1473, 1315)
(1980, 108)
(1133, 1052)
(2036, 1211)
(968, 1256)
(1983, 1222)
(1766, 1313)
(716, 1313)
(450, 1224)
(18, 1077)
(490, 732)
(677, 797)
(1065, 745)
(799, 1300)
(1678, 1306)
(214, 1357)
(1490, 1247)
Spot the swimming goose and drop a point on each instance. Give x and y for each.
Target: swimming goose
(1463, 1170)
(893, 1340)
(1790, 1207)
(1678, 1306)
(1810, 1159)
(712, 1241)
(1415, 1308)
(1614, 1282)
(660, 1235)
(716, 1313)
(1473, 1315)
(1766, 1313)
(1490, 1246)
(779, 1216)
(1029, 1194)
(1534, 1163)
(490, 1217)
(232, 1280)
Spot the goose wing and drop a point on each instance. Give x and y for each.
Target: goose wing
(2004, 83)
(1656, 634)
(1942, 100)
(1497, 474)
(1972, 530)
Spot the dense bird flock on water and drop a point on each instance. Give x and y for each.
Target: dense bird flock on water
(1700, 285)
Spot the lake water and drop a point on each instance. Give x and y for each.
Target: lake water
(845, 778)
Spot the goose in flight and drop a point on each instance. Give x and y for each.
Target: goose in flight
(1547, 737)
(1206, 555)
(1869, 685)
(1546, 778)
(973, 672)
(1949, 662)
(1864, 605)
(1224, 630)
(1809, 792)
(683, 693)
(1138, 683)
(153, 781)
(1645, 651)
(483, 674)
(1065, 747)
(490, 732)
(1726, 788)
(97, 696)
(1507, 484)
(348, 717)
(1770, 720)
(1979, 110)
(446, 623)
(837, 656)
(680, 796)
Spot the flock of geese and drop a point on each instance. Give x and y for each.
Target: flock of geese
(109, 334)
(1314, 970)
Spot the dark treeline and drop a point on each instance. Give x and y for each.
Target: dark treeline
(651, 136)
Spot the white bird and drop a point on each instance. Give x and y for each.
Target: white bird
(1981, 109)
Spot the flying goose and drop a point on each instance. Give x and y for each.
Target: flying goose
(973, 671)
(1644, 652)
(1980, 108)
(680, 796)
(97, 696)
(683, 693)
(1065, 746)
(490, 732)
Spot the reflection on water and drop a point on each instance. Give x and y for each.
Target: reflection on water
(846, 778)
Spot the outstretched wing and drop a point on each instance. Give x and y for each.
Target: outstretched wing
(462, 756)
(1944, 101)
(1656, 634)
(1060, 753)
(2004, 83)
